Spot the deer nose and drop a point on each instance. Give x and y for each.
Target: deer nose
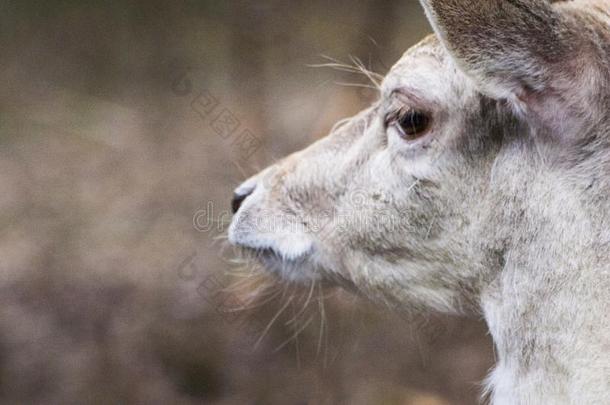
(239, 197)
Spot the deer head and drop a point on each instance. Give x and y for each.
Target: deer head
(482, 167)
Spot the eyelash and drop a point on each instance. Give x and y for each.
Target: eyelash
(410, 124)
(394, 115)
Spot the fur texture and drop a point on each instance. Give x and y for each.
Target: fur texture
(500, 209)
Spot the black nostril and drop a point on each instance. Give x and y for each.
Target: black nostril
(238, 199)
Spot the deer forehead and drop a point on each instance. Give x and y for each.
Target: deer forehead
(428, 74)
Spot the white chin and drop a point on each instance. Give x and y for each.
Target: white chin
(287, 255)
(288, 246)
(299, 270)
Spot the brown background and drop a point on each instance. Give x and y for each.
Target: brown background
(108, 292)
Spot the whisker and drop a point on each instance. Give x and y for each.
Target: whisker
(311, 289)
(252, 295)
(249, 305)
(294, 335)
(357, 67)
(325, 331)
(270, 324)
(363, 86)
(349, 69)
(322, 322)
(296, 343)
(248, 281)
(375, 78)
(373, 41)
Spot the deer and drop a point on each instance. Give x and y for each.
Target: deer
(477, 184)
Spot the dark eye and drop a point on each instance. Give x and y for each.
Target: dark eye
(412, 124)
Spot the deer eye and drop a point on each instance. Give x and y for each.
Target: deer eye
(410, 124)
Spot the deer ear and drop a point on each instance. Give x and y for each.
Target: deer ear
(513, 49)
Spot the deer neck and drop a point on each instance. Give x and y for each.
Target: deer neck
(547, 309)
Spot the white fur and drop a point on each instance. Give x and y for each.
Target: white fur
(500, 208)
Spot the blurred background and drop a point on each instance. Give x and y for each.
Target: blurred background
(124, 127)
